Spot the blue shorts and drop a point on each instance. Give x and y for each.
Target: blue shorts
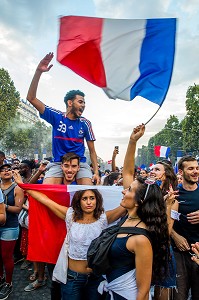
(170, 280)
(9, 234)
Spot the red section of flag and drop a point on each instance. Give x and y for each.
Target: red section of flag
(46, 230)
(157, 150)
(79, 42)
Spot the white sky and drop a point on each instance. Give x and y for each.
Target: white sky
(30, 29)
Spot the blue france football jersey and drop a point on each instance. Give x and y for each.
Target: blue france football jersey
(68, 135)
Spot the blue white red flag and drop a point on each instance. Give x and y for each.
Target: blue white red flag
(162, 151)
(126, 58)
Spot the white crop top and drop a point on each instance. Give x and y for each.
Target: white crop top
(81, 235)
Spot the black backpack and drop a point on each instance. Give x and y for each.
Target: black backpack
(97, 255)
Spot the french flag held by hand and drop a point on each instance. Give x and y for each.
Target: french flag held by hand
(125, 57)
(162, 151)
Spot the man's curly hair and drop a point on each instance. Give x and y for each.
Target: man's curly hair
(71, 95)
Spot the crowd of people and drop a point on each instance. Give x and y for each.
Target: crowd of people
(160, 261)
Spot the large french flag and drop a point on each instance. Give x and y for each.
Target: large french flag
(162, 151)
(125, 57)
(46, 231)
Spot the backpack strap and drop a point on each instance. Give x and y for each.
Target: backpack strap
(7, 191)
(136, 231)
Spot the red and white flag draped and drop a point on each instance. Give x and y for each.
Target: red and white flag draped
(46, 230)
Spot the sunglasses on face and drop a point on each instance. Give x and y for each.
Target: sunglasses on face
(6, 170)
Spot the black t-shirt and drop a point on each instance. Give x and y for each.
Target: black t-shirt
(188, 202)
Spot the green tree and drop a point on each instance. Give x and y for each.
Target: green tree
(9, 100)
(190, 124)
(24, 138)
(171, 136)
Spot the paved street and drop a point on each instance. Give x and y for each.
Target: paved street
(20, 281)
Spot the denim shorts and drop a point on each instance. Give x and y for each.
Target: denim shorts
(54, 170)
(81, 286)
(170, 280)
(9, 234)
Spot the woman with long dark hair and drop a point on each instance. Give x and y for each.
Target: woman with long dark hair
(164, 174)
(136, 259)
(85, 220)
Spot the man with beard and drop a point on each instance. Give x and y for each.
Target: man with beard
(69, 130)
(186, 231)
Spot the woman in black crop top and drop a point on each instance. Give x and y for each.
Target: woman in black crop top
(136, 258)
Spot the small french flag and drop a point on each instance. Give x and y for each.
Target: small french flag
(162, 151)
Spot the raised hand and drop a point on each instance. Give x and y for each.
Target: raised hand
(17, 176)
(44, 66)
(171, 195)
(137, 132)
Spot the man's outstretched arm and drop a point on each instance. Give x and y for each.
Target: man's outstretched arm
(43, 66)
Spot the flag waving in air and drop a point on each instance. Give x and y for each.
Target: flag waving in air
(127, 58)
(162, 151)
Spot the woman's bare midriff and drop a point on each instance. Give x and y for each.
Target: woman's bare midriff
(80, 266)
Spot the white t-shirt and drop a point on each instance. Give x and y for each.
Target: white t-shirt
(81, 235)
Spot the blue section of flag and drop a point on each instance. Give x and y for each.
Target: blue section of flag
(156, 61)
(176, 168)
(167, 152)
(143, 166)
(179, 153)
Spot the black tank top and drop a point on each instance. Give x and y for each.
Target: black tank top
(122, 260)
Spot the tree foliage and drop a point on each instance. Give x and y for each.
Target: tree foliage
(25, 139)
(9, 100)
(190, 124)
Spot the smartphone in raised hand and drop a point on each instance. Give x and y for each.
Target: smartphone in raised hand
(117, 149)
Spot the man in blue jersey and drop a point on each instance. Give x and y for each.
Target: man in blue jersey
(185, 232)
(69, 130)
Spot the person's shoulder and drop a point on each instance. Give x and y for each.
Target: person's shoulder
(184, 190)
(84, 120)
(54, 110)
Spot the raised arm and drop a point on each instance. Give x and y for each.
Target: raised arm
(35, 177)
(113, 164)
(129, 160)
(59, 210)
(43, 66)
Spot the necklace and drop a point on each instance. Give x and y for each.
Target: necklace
(133, 218)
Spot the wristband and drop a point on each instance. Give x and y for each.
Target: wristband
(7, 206)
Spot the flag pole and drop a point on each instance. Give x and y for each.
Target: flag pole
(152, 116)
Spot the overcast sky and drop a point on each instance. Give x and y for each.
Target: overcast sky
(30, 29)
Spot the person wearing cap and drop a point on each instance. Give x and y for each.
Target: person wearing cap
(13, 200)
